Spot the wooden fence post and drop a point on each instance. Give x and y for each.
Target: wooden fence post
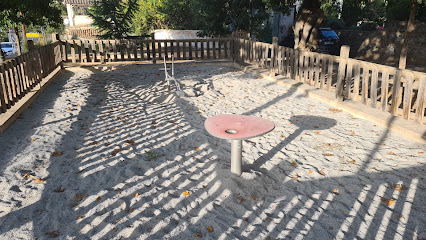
(154, 59)
(30, 44)
(274, 54)
(344, 55)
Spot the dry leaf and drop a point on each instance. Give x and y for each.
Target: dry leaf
(399, 187)
(240, 198)
(353, 161)
(27, 175)
(131, 210)
(245, 219)
(53, 234)
(60, 189)
(93, 143)
(57, 154)
(136, 194)
(38, 180)
(32, 140)
(186, 193)
(316, 127)
(391, 153)
(387, 202)
(131, 142)
(336, 191)
(421, 152)
(317, 132)
(310, 172)
(253, 197)
(80, 196)
(322, 172)
(198, 235)
(196, 149)
(98, 198)
(293, 164)
(209, 229)
(329, 154)
(79, 217)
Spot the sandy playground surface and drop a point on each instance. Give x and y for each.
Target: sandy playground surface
(109, 154)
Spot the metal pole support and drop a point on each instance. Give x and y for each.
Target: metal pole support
(236, 156)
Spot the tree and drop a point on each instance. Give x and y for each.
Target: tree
(306, 28)
(410, 29)
(113, 17)
(179, 14)
(15, 13)
(148, 16)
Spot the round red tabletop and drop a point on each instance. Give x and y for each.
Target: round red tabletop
(237, 127)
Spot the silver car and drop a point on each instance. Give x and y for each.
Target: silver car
(7, 47)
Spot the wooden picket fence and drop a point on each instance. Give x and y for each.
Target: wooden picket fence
(20, 75)
(400, 92)
(94, 51)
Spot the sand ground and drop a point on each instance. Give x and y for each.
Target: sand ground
(108, 154)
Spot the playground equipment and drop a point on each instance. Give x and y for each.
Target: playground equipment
(171, 78)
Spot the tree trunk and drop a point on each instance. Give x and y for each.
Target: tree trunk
(306, 28)
(18, 41)
(410, 29)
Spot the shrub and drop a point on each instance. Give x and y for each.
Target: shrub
(368, 26)
(334, 23)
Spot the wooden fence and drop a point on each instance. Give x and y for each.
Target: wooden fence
(20, 75)
(400, 92)
(93, 51)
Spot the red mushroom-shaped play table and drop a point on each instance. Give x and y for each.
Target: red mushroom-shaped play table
(237, 128)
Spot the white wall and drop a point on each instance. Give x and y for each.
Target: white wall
(166, 34)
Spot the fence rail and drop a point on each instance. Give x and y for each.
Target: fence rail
(400, 92)
(20, 75)
(93, 51)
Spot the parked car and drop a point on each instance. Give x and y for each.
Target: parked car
(7, 47)
(329, 41)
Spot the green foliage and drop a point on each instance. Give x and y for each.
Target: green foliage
(45, 13)
(333, 23)
(354, 11)
(151, 155)
(399, 10)
(113, 17)
(368, 26)
(148, 17)
(179, 14)
(331, 8)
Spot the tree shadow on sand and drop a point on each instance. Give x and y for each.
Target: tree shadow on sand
(111, 190)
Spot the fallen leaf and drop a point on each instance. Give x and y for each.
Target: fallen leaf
(329, 154)
(316, 127)
(32, 140)
(240, 198)
(131, 142)
(209, 229)
(317, 132)
(336, 191)
(293, 164)
(268, 219)
(310, 172)
(98, 198)
(399, 187)
(245, 219)
(53, 234)
(420, 152)
(136, 194)
(131, 210)
(80, 196)
(353, 161)
(57, 154)
(387, 202)
(117, 220)
(27, 175)
(93, 143)
(322, 172)
(196, 149)
(253, 197)
(38, 180)
(79, 217)
(186, 193)
(198, 235)
(60, 189)
(391, 153)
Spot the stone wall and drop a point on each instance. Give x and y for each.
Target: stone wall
(384, 46)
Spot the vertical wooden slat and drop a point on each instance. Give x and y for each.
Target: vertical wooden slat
(208, 48)
(114, 48)
(190, 49)
(396, 93)
(348, 81)
(421, 100)
(373, 88)
(166, 52)
(73, 46)
(355, 95)
(365, 83)
(148, 49)
(184, 50)
(172, 45)
(3, 106)
(202, 49)
(128, 50)
(323, 65)
(12, 82)
(178, 50)
(214, 41)
(159, 50)
(408, 95)
(385, 86)
(154, 50)
(101, 50)
(196, 48)
(93, 44)
(135, 50)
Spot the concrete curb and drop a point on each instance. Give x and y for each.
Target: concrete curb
(7, 118)
(410, 129)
